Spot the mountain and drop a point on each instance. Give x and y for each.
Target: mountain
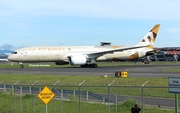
(6, 47)
(5, 51)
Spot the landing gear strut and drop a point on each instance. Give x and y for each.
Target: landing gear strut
(94, 65)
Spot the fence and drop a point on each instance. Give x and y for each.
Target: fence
(24, 98)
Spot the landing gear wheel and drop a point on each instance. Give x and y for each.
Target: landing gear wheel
(21, 66)
(95, 65)
(85, 65)
(90, 65)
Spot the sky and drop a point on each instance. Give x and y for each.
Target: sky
(88, 22)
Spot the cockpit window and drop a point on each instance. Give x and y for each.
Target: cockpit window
(14, 52)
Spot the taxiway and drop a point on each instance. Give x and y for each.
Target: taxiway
(152, 71)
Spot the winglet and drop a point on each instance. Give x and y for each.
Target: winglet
(150, 37)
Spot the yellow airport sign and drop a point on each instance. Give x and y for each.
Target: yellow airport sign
(122, 74)
(46, 95)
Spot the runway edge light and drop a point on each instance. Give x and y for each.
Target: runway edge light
(105, 76)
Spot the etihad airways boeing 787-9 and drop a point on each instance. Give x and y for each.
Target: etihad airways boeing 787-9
(85, 56)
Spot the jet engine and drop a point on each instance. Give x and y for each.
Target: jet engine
(77, 59)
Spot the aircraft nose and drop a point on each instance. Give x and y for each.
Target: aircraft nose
(10, 58)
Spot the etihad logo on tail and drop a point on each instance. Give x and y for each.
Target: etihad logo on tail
(150, 37)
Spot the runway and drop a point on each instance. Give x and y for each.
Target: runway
(151, 71)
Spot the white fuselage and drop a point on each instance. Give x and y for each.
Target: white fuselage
(60, 53)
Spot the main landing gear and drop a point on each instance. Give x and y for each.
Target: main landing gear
(93, 64)
(21, 66)
(90, 65)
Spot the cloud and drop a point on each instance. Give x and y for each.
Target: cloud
(121, 9)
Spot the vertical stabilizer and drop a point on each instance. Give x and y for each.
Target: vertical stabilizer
(150, 37)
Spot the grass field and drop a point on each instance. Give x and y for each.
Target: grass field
(133, 83)
(66, 106)
(96, 84)
(121, 86)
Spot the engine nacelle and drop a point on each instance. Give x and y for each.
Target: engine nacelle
(77, 59)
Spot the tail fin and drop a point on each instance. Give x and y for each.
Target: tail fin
(150, 37)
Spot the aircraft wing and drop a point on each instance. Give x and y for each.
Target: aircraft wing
(100, 53)
(153, 52)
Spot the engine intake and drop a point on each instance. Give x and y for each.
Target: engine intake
(77, 59)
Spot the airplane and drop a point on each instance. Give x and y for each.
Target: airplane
(4, 60)
(85, 56)
(4, 57)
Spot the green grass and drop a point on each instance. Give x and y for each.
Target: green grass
(118, 87)
(8, 105)
(76, 79)
(171, 70)
(96, 84)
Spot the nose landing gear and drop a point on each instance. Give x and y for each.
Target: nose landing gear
(21, 66)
